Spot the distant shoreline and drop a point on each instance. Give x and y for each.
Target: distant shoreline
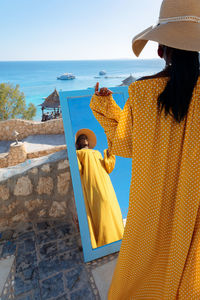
(38, 79)
(76, 60)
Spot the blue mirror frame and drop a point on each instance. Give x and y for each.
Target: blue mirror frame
(88, 252)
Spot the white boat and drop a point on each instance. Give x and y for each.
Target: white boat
(66, 76)
(102, 72)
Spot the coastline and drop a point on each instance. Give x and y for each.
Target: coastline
(37, 79)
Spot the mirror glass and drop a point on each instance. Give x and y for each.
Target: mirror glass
(105, 179)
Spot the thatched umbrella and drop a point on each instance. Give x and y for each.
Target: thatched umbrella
(52, 101)
(128, 80)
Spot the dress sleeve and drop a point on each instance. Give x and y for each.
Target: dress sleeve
(117, 123)
(109, 161)
(79, 161)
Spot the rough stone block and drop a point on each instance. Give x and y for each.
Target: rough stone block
(58, 209)
(21, 217)
(4, 223)
(4, 161)
(63, 164)
(12, 207)
(17, 154)
(63, 183)
(45, 185)
(23, 187)
(42, 213)
(46, 168)
(33, 204)
(34, 171)
(4, 193)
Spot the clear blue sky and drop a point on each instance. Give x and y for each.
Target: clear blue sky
(74, 29)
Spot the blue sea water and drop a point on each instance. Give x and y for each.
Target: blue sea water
(38, 79)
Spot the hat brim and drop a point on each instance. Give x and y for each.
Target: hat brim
(92, 140)
(180, 35)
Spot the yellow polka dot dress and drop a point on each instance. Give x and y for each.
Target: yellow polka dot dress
(160, 253)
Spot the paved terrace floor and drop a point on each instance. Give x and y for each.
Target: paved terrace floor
(36, 142)
(50, 265)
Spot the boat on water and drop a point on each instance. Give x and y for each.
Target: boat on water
(66, 76)
(102, 72)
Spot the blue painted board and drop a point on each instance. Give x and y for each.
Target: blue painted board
(77, 114)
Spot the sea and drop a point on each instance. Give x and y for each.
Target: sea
(38, 79)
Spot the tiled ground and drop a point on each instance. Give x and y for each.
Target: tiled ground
(49, 264)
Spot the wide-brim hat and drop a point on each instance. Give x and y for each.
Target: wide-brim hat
(178, 27)
(92, 140)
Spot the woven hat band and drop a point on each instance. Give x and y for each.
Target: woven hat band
(180, 19)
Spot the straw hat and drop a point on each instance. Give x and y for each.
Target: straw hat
(178, 27)
(90, 135)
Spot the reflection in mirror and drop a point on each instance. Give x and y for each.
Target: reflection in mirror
(105, 180)
(102, 208)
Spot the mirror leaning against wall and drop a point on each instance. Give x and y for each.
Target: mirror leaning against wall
(100, 180)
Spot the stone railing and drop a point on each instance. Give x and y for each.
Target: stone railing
(17, 154)
(26, 128)
(36, 189)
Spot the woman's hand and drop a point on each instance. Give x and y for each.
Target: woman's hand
(103, 91)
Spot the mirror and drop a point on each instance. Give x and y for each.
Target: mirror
(100, 181)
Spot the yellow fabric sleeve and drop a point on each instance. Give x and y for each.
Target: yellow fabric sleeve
(79, 162)
(109, 161)
(117, 124)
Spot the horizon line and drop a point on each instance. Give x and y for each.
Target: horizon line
(100, 59)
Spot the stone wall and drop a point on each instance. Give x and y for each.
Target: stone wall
(40, 190)
(17, 154)
(26, 128)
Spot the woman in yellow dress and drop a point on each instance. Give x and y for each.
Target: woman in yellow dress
(159, 128)
(102, 208)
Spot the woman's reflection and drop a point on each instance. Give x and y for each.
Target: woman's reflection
(102, 208)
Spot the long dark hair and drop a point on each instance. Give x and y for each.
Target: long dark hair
(183, 74)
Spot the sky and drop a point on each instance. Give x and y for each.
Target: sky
(74, 29)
